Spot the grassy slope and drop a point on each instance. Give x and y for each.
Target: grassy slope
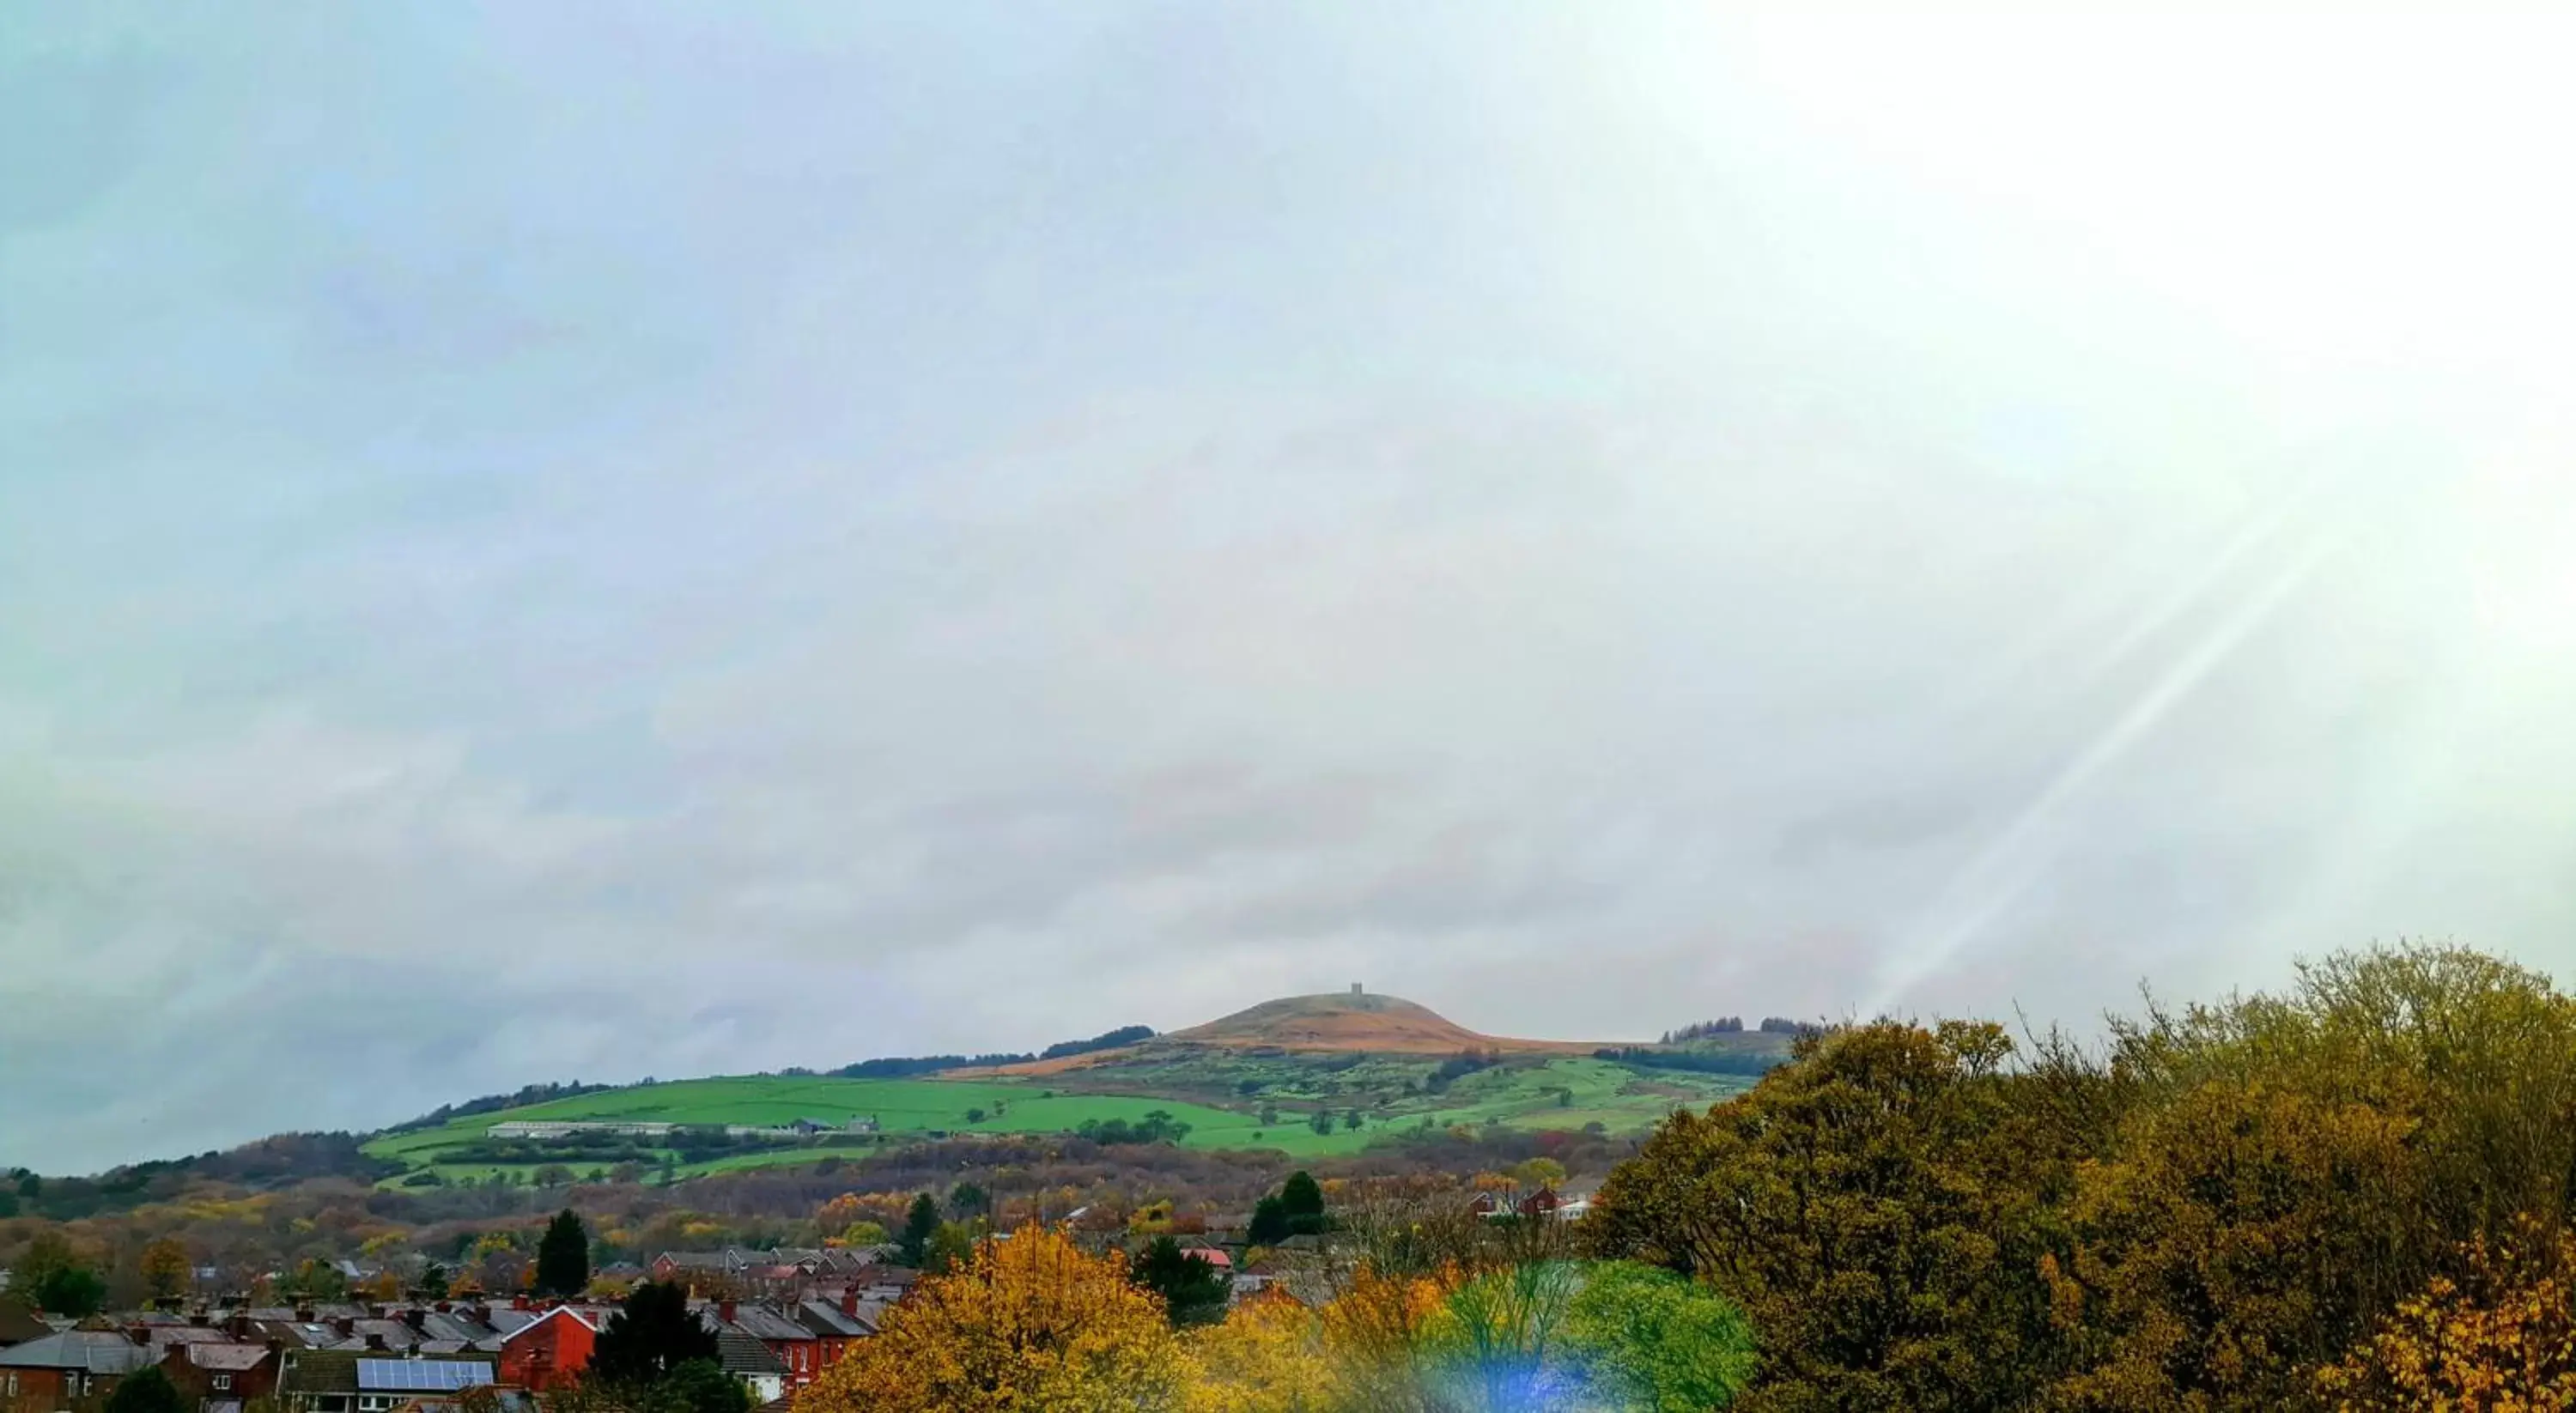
(904, 1107)
(1198, 1085)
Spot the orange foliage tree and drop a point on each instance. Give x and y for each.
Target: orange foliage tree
(1377, 1335)
(2500, 1340)
(1027, 1323)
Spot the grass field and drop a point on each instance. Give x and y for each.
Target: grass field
(1529, 1092)
(903, 1108)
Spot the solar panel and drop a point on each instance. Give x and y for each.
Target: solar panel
(423, 1375)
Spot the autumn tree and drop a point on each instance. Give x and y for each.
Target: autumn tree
(1376, 1339)
(167, 1271)
(563, 1256)
(1029, 1323)
(1877, 1209)
(1539, 1172)
(53, 1277)
(1266, 1356)
(2502, 1336)
(2244, 1236)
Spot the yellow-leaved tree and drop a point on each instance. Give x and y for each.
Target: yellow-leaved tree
(1027, 1323)
(2502, 1337)
(1267, 1357)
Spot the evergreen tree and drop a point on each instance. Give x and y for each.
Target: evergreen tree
(1192, 1291)
(1269, 1223)
(699, 1386)
(147, 1390)
(563, 1256)
(653, 1334)
(1301, 1200)
(919, 1226)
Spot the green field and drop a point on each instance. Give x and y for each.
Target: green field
(1391, 1094)
(904, 1109)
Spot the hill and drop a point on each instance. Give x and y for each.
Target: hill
(1354, 1021)
(1307, 1075)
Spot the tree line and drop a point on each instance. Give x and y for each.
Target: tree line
(2352, 1195)
(2355, 1194)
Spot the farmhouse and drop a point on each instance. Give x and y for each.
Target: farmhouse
(576, 1128)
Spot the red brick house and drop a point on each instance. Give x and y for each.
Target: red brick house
(60, 1369)
(550, 1351)
(837, 1325)
(212, 1375)
(795, 1346)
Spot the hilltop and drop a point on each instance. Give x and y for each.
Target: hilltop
(1353, 1021)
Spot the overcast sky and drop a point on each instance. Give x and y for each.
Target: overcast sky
(561, 541)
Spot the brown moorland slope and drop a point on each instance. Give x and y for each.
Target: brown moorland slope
(1343, 1022)
(1388, 1025)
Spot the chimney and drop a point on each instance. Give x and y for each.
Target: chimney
(416, 1318)
(375, 1341)
(344, 1325)
(237, 1325)
(442, 1306)
(303, 1312)
(519, 1302)
(850, 1301)
(201, 1319)
(140, 1334)
(725, 1309)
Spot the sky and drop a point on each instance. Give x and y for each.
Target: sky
(599, 541)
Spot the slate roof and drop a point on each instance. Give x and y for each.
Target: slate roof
(18, 1324)
(304, 1334)
(767, 1325)
(163, 1336)
(395, 1334)
(227, 1356)
(829, 1320)
(744, 1356)
(93, 1351)
(452, 1327)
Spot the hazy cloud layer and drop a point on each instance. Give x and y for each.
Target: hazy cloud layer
(548, 543)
